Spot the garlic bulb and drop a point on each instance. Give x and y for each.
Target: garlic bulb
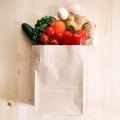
(75, 9)
(63, 13)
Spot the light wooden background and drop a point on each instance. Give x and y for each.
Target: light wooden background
(102, 67)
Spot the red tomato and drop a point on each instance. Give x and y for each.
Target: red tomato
(59, 36)
(50, 31)
(67, 38)
(54, 42)
(44, 38)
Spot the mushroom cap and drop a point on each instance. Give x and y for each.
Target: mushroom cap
(63, 13)
(75, 9)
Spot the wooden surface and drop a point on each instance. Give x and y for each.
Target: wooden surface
(102, 67)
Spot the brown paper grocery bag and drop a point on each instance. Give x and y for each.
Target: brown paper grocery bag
(58, 74)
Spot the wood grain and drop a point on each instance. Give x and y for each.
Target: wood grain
(102, 67)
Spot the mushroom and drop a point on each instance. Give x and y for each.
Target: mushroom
(67, 17)
(63, 13)
(75, 9)
(75, 18)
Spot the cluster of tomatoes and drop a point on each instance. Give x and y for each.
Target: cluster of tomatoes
(50, 37)
(58, 34)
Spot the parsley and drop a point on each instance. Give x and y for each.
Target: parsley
(40, 28)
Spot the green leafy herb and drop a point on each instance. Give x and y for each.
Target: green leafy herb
(40, 28)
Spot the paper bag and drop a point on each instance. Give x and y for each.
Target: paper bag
(58, 74)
